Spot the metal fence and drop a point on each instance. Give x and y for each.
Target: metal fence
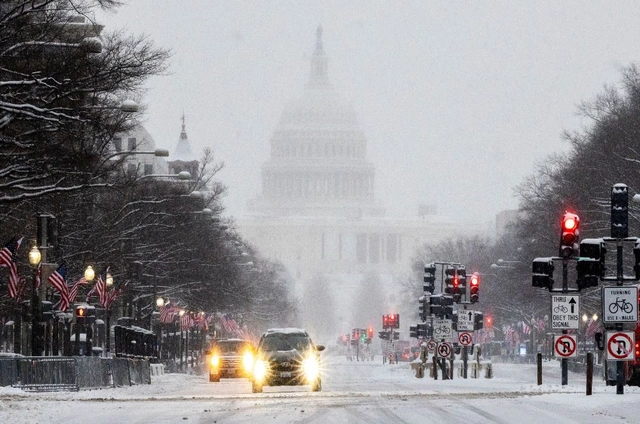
(72, 373)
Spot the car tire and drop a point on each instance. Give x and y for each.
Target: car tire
(316, 386)
(256, 387)
(214, 378)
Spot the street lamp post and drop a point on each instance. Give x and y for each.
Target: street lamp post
(109, 283)
(36, 339)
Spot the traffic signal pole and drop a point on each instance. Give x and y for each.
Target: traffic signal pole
(620, 374)
(564, 362)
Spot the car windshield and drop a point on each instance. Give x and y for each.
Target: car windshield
(275, 342)
(232, 347)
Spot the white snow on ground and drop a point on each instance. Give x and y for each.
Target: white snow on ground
(352, 392)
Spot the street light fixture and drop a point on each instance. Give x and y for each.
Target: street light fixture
(89, 274)
(160, 302)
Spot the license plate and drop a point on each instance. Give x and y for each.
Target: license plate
(285, 374)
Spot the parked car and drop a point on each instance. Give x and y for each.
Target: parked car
(230, 358)
(287, 356)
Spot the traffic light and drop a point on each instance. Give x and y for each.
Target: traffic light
(450, 281)
(413, 331)
(570, 234)
(454, 321)
(478, 321)
(384, 335)
(421, 330)
(429, 278)
(619, 211)
(395, 320)
(396, 336)
(542, 273)
(370, 333)
(385, 322)
(474, 283)
(422, 307)
(363, 335)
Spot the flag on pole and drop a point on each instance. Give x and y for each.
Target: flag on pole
(8, 259)
(101, 287)
(39, 276)
(186, 322)
(74, 290)
(58, 281)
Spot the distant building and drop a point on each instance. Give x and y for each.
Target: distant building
(139, 140)
(183, 158)
(317, 212)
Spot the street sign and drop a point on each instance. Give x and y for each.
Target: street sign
(442, 329)
(465, 338)
(444, 350)
(565, 312)
(564, 346)
(620, 304)
(466, 320)
(620, 345)
(431, 345)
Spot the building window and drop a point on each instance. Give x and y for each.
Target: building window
(117, 144)
(132, 143)
(148, 169)
(392, 248)
(374, 248)
(132, 168)
(361, 248)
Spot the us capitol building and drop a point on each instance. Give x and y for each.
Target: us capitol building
(317, 212)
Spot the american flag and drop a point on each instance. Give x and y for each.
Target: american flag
(39, 276)
(8, 259)
(167, 313)
(74, 290)
(58, 281)
(111, 297)
(592, 328)
(101, 287)
(525, 328)
(186, 322)
(229, 324)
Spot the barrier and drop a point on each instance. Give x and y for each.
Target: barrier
(488, 373)
(157, 369)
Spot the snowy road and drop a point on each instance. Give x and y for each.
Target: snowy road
(361, 392)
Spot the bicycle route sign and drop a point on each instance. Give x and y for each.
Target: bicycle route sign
(565, 312)
(565, 346)
(620, 304)
(442, 330)
(620, 345)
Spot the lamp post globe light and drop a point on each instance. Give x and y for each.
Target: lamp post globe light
(34, 261)
(89, 274)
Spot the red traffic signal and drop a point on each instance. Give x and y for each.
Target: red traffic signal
(570, 234)
(370, 333)
(474, 282)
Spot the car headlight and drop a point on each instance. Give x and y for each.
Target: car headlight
(247, 361)
(215, 361)
(260, 370)
(311, 368)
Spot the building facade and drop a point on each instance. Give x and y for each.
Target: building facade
(317, 212)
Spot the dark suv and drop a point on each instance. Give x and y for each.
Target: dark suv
(287, 357)
(230, 358)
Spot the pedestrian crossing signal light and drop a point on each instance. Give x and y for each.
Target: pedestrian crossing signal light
(81, 312)
(570, 235)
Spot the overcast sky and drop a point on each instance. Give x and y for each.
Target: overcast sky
(458, 100)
